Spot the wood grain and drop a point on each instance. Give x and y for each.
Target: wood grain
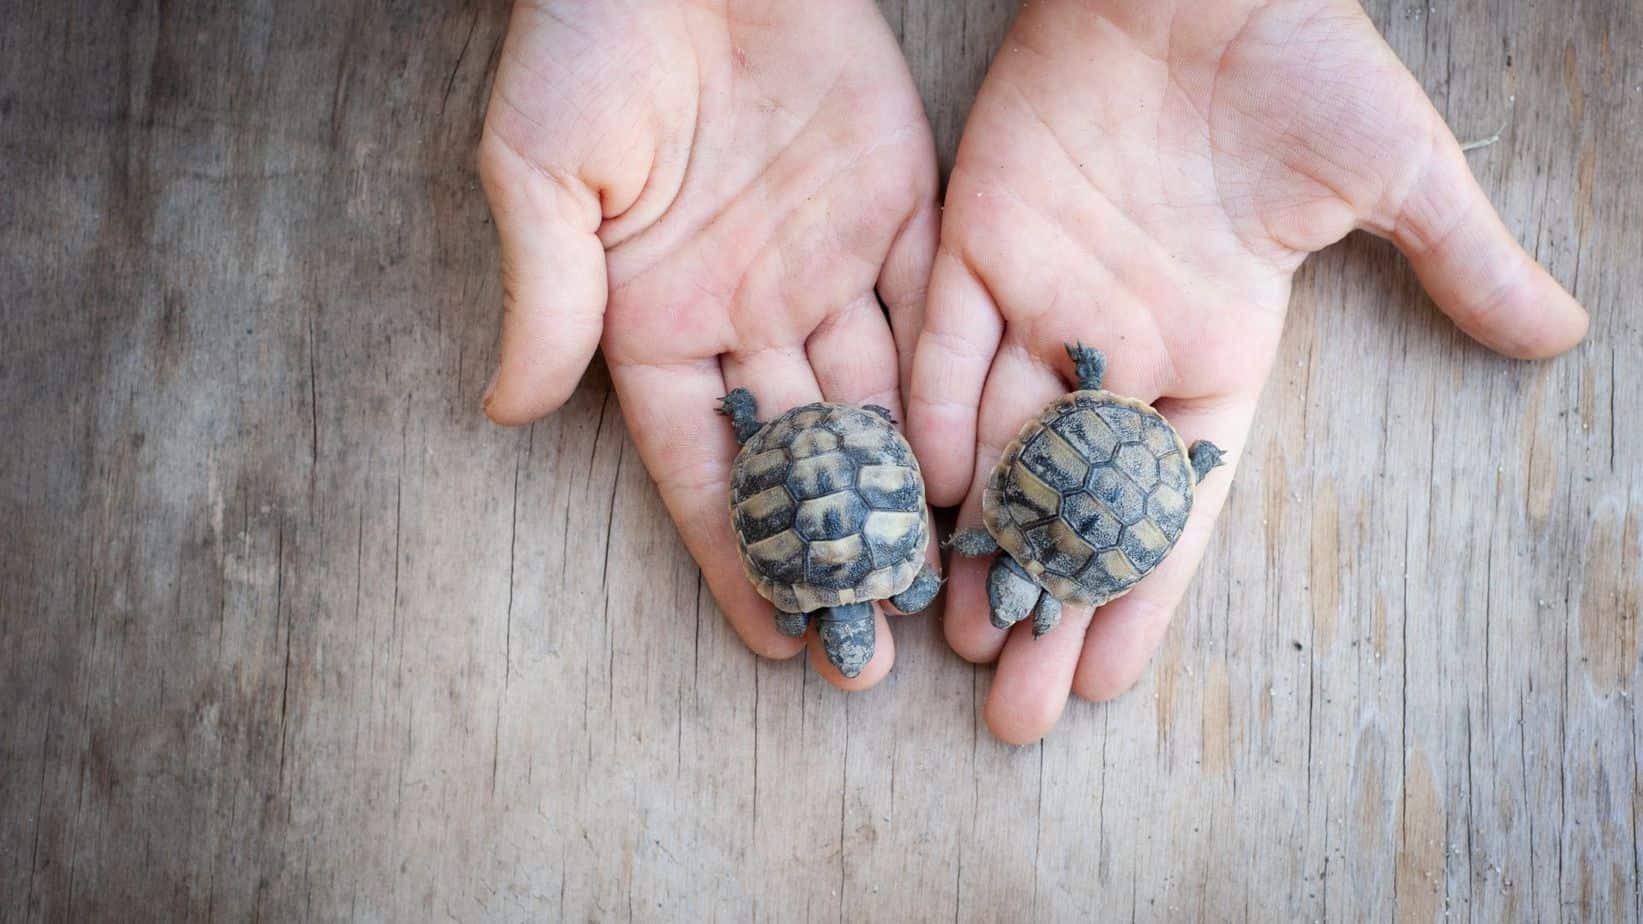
(288, 631)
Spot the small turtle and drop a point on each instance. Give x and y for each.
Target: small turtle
(828, 505)
(1087, 500)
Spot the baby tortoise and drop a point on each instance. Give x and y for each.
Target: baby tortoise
(1086, 501)
(828, 505)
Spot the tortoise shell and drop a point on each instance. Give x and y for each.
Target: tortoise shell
(1091, 495)
(828, 506)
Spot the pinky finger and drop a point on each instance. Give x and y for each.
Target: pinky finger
(689, 451)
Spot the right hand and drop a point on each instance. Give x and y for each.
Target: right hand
(1146, 178)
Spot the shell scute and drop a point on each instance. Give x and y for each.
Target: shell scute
(1029, 497)
(1111, 573)
(893, 536)
(765, 514)
(837, 564)
(804, 418)
(1124, 420)
(1061, 549)
(1175, 471)
(1091, 436)
(1056, 461)
(890, 487)
(1091, 520)
(819, 475)
(1168, 508)
(868, 444)
(1119, 494)
(775, 436)
(781, 556)
(759, 472)
(1137, 461)
(831, 516)
(1158, 436)
(813, 442)
(1144, 544)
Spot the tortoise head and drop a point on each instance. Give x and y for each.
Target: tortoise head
(1205, 455)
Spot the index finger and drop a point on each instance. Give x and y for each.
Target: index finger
(962, 330)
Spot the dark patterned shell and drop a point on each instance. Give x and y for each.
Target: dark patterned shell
(1090, 496)
(828, 507)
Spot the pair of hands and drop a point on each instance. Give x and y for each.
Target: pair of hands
(722, 192)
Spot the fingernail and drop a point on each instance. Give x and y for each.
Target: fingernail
(490, 388)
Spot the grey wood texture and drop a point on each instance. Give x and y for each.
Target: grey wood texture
(288, 631)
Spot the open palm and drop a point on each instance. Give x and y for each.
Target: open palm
(1146, 178)
(713, 191)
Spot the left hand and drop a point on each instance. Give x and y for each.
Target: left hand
(716, 193)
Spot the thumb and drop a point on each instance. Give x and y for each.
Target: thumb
(553, 282)
(1471, 265)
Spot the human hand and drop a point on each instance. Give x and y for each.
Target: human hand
(712, 191)
(1146, 178)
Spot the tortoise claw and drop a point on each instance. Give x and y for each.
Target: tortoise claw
(792, 625)
(1011, 592)
(743, 411)
(918, 594)
(1046, 615)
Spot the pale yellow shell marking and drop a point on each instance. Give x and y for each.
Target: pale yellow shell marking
(836, 551)
(1115, 562)
(885, 478)
(777, 548)
(1150, 536)
(767, 502)
(886, 525)
(814, 443)
(764, 463)
(841, 505)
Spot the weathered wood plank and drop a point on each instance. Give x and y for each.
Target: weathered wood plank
(286, 629)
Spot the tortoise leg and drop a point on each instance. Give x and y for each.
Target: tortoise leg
(743, 412)
(918, 594)
(1046, 615)
(1011, 592)
(973, 543)
(1204, 455)
(1090, 365)
(847, 634)
(791, 625)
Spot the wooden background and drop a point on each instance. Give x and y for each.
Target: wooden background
(288, 630)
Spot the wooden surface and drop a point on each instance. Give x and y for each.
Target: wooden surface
(287, 630)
